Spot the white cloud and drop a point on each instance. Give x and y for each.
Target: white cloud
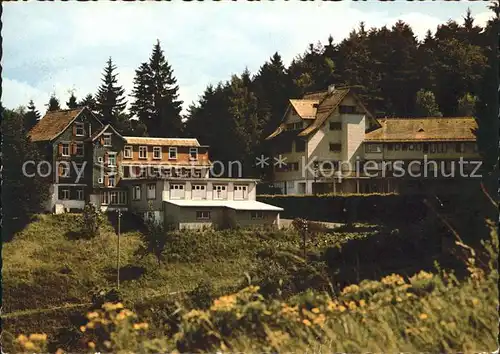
(66, 45)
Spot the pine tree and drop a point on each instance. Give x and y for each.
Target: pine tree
(53, 104)
(110, 101)
(425, 105)
(72, 102)
(23, 193)
(31, 117)
(156, 96)
(88, 102)
(273, 88)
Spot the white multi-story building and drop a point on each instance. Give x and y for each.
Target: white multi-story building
(330, 143)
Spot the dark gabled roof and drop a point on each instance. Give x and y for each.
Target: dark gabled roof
(54, 123)
(424, 129)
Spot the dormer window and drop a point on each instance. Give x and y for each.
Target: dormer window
(107, 139)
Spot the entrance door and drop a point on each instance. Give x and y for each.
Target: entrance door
(302, 188)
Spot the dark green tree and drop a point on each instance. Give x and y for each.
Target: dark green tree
(53, 104)
(23, 192)
(72, 102)
(156, 99)
(31, 116)
(88, 102)
(110, 101)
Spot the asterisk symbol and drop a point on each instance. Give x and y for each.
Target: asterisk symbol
(262, 161)
(280, 161)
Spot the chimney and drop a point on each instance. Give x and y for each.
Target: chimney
(331, 88)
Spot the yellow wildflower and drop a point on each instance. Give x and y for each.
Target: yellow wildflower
(107, 343)
(139, 326)
(398, 299)
(315, 310)
(306, 322)
(83, 328)
(29, 345)
(319, 320)
(352, 305)
(22, 338)
(38, 337)
(423, 316)
(91, 345)
(350, 289)
(342, 308)
(475, 301)
(362, 303)
(92, 315)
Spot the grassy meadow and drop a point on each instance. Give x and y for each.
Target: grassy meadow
(239, 290)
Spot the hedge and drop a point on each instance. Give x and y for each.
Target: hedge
(360, 208)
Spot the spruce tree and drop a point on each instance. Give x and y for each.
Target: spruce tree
(24, 194)
(53, 104)
(31, 117)
(110, 101)
(88, 102)
(156, 96)
(72, 102)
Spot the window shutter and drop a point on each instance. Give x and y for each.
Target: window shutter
(101, 140)
(60, 171)
(106, 180)
(73, 148)
(106, 158)
(74, 129)
(60, 149)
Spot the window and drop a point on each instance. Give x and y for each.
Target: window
(127, 152)
(65, 149)
(240, 192)
(199, 187)
(143, 152)
(111, 181)
(80, 170)
(151, 191)
(219, 192)
(157, 152)
(294, 126)
(257, 214)
(99, 180)
(373, 148)
(99, 159)
(347, 109)
(113, 197)
(426, 147)
(335, 147)
(460, 147)
(79, 129)
(79, 194)
(404, 147)
(397, 147)
(172, 153)
(203, 215)
(64, 170)
(176, 191)
(390, 146)
(107, 139)
(335, 125)
(111, 158)
(193, 153)
(136, 193)
(79, 149)
(64, 194)
(300, 145)
(411, 147)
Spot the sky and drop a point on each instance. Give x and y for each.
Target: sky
(59, 47)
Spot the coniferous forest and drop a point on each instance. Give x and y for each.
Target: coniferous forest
(450, 72)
